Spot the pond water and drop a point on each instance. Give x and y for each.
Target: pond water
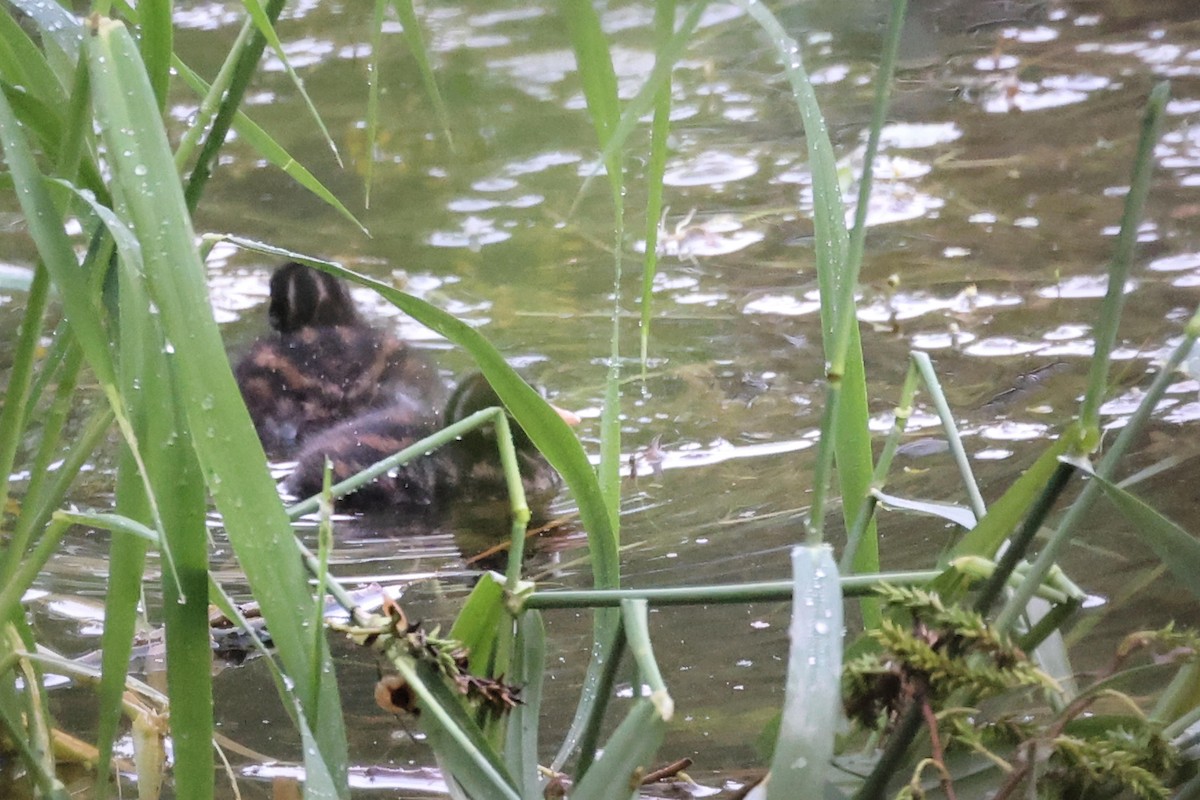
(1006, 161)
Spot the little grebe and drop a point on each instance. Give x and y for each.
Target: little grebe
(469, 465)
(324, 364)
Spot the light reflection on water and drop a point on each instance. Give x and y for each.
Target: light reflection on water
(996, 223)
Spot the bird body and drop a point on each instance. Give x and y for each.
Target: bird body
(324, 364)
(467, 466)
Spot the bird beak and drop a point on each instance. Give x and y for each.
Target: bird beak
(569, 417)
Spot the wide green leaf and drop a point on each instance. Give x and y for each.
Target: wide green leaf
(812, 700)
(229, 454)
(1178, 550)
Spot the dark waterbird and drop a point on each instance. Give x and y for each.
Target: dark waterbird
(324, 364)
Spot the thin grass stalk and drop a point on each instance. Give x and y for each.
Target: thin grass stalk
(598, 78)
(844, 312)
(157, 44)
(54, 419)
(585, 731)
(852, 586)
(247, 63)
(845, 306)
(665, 58)
(634, 613)
(126, 568)
(950, 428)
(374, 79)
(1019, 543)
(77, 135)
(49, 496)
(1107, 466)
(27, 569)
(210, 100)
(420, 53)
(16, 398)
(431, 442)
(324, 548)
(1118, 269)
(664, 24)
(43, 776)
(518, 504)
(610, 414)
(268, 148)
(883, 465)
(894, 754)
(266, 28)
(528, 672)
(34, 699)
(61, 340)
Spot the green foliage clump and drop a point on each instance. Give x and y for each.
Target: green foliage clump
(948, 660)
(945, 650)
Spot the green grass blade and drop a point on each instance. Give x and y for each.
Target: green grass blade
(845, 427)
(458, 742)
(181, 492)
(1105, 334)
(1047, 558)
(53, 245)
(266, 28)
(664, 21)
(27, 569)
(629, 749)
(599, 82)
(812, 700)
(637, 634)
(16, 397)
(230, 457)
(57, 26)
(56, 252)
(477, 623)
(245, 62)
(1175, 547)
(374, 79)
(271, 150)
(157, 42)
(929, 376)
(23, 64)
(596, 74)
(126, 565)
(528, 672)
(47, 485)
(416, 46)
(1006, 513)
(665, 57)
